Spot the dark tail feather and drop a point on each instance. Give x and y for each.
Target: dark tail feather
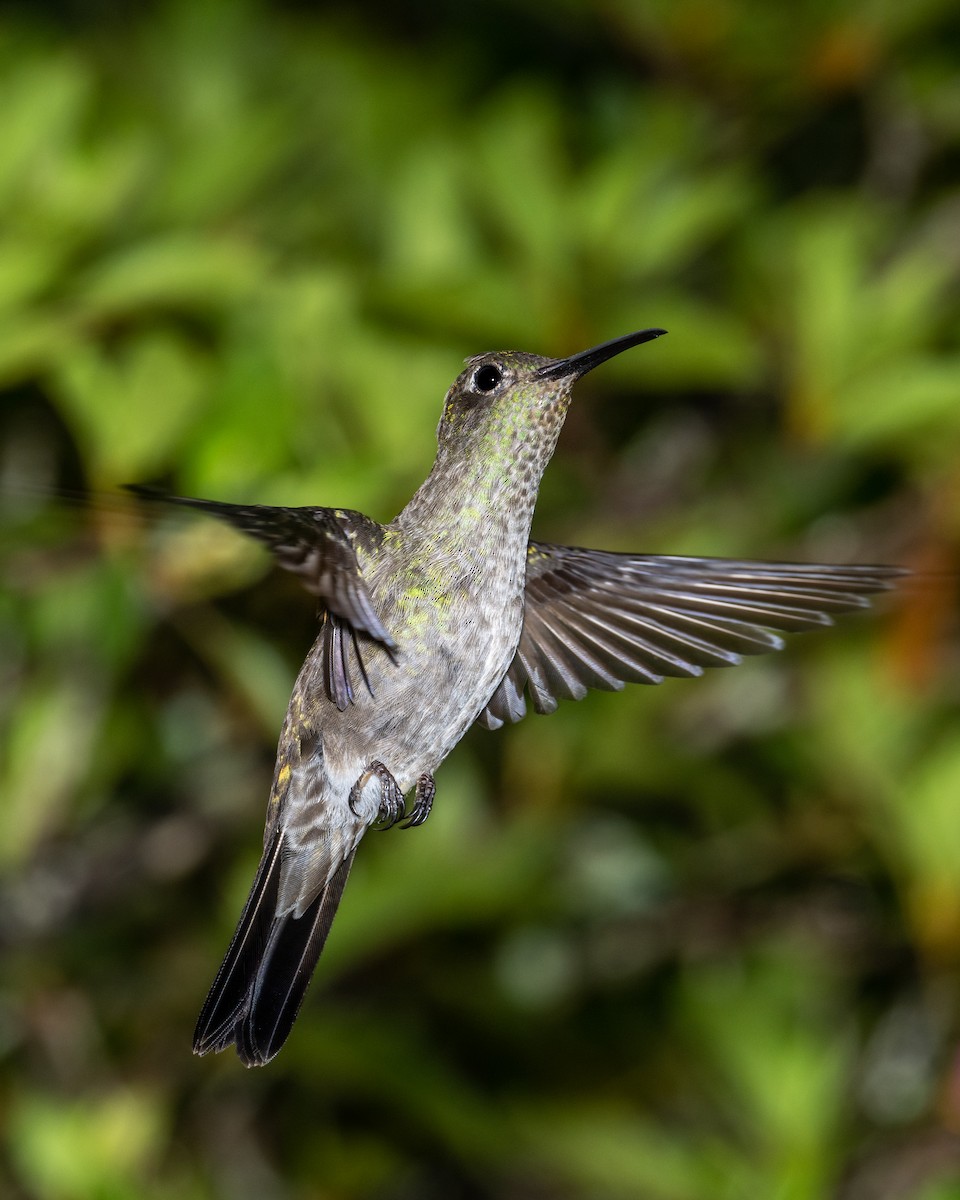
(289, 958)
(260, 986)
(226, 1001)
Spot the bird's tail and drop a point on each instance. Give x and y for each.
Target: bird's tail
(261, 983)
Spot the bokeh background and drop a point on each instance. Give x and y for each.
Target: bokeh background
(683, 943)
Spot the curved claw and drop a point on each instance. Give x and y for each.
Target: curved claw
(392, 808)
(423, 802)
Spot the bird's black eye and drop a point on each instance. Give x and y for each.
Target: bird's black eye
(486, 378)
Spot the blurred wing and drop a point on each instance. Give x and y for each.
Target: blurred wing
(595, 619)
(317, 545)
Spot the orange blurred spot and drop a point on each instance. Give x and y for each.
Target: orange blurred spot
(843, 56)
(920, 627)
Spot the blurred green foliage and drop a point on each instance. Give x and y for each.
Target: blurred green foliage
(688, 943)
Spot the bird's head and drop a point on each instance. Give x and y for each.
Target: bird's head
(514, 403)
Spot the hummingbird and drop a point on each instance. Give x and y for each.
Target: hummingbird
(449, 615)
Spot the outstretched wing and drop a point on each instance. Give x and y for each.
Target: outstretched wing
(318, 546)
(595, 619)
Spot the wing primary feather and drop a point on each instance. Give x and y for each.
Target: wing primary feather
(531, 659)
(594, 658)
(358, 655)
(647, 659)
(336, 674)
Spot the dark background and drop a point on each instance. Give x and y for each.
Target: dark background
(688, 943)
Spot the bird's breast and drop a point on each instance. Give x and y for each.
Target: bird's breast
(456, 626)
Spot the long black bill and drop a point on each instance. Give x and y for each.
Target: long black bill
(586, 360)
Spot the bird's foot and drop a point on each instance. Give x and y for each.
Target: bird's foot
(423, 801)
(391, 798)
